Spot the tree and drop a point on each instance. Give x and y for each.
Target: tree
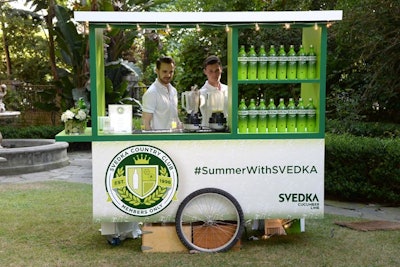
(23, 41)
(363, 81)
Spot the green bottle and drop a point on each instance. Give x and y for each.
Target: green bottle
(262, 117)
(282, 63)
(301, 64)
(242, 64)
(291, 64)
(291, 116)
(301, 117)
(253, 112)
(243, 115)
(282, 116)
(311, 116)
(272, 63)
(271, 116)
(262, 64)
(252, 64)
(312, 64)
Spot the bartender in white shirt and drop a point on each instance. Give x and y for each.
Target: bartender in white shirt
(212, 68)
(160, 101)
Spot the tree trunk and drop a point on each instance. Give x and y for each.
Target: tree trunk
(52, 54)
(6, 50)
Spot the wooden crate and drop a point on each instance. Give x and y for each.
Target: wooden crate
(162, 238)
(212, 237)
(274, 227)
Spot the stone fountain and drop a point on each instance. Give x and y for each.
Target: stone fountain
(28, 155)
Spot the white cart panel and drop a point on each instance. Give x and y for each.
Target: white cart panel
(269, 178)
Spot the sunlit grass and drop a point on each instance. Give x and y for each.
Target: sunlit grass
(50, 224)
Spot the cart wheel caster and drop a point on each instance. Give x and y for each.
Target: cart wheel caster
(115, 241)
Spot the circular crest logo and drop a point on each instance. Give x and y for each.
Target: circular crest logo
(141, 180)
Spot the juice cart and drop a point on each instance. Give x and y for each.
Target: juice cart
(207, 183)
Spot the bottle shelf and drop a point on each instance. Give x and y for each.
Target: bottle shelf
(277, 81)
(309, 88)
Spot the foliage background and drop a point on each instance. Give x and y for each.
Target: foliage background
(363, 49)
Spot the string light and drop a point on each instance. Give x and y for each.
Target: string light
(227, 28)
(86, 27)
(168, 29)
(108, 27)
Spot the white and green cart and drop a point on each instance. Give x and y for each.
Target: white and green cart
(209, 180)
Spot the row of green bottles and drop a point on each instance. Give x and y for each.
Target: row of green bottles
(283, 118)
(273, 65)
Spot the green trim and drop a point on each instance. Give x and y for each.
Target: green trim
(87, 137)
(316, 91)
(233, 94)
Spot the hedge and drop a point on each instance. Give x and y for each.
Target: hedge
(31, 132)
(357, 128)
(362, 168)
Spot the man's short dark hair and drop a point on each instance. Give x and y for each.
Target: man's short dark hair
(211, 60)
(164, 59)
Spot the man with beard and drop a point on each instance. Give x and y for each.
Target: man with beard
(160, 101)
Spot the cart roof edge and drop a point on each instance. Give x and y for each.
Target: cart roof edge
(235, 17)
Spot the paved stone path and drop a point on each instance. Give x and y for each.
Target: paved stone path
(80, 171)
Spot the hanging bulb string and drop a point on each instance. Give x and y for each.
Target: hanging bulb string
(198, 27)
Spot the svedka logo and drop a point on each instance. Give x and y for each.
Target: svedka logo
(141, 180)
(303, 200)
(310, 197)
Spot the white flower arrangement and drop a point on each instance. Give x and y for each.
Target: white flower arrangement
(76, 118)
(74, 114)
(79, 113)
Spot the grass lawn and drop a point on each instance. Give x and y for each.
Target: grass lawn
(50, 224)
